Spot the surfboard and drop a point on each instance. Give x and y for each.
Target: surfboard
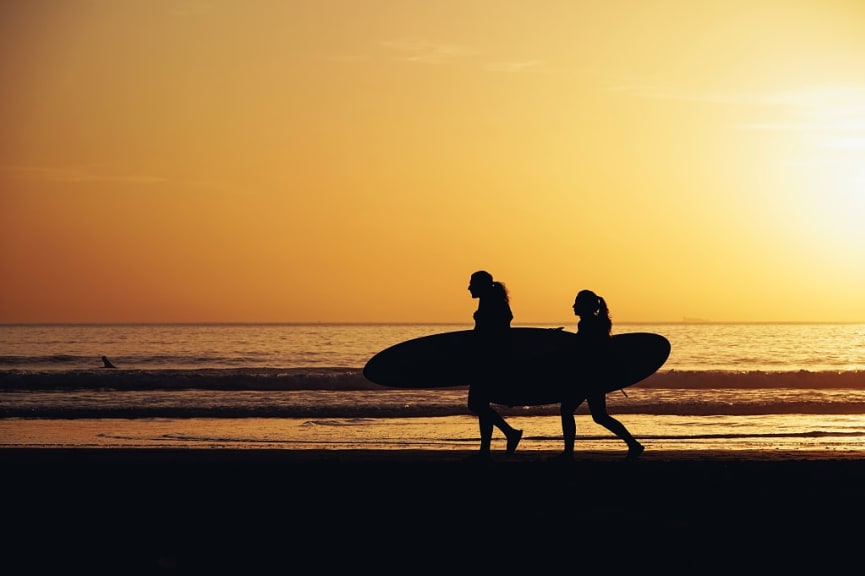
(540, 368)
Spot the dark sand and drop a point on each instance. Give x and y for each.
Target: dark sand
(270, 511)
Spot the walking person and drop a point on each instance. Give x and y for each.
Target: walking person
(594, 334)
(492, 328)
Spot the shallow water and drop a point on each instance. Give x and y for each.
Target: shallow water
(796, 432)
(719, 347)
(729, 387)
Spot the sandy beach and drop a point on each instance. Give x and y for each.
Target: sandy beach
(163, 510)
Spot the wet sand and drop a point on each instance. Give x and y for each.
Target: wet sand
(198, 511)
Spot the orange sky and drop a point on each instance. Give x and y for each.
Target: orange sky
(345, 161)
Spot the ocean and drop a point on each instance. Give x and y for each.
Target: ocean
(300, 386)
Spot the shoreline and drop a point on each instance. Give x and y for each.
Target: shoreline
(10, 455)
(162, 510)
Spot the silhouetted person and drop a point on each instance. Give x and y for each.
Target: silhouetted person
(492, 328)
(106, 363)
(593, 340)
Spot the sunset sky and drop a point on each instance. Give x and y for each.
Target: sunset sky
(356, 161)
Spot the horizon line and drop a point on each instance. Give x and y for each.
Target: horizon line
(403, 323)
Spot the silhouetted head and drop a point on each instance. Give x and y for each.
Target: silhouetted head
(587, 305)
(480, 283)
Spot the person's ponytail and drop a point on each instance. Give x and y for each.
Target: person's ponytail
(604, 314)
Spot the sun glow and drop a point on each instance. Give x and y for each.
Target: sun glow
(834, 171)
(683, 158)
(838, 207)
(817, 134)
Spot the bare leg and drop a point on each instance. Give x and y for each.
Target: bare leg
(512, 434)
(501, 423)
(569, 426)
(486, 429)
(598, 407)
(487, 419)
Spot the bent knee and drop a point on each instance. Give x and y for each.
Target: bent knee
(602, 419)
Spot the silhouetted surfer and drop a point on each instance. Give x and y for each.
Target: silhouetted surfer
(106, 363)
(492, 326)
(593, 335)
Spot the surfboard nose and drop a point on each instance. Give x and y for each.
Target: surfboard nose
(375, 371)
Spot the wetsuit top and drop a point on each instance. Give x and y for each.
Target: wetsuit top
(492, 326)
(594, 342)
(492, 315)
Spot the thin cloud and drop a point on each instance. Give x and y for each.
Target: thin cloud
(190, 9)
(833, 112)
(346, 58)
(515, 66)
(657, 93)
(73, 175)
(425, 52)
(836, 113)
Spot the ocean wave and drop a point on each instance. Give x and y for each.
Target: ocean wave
(800, 379)
(390, 403)
(340, 378)
(203, 379)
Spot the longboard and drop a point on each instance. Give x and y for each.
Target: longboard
(540, 368)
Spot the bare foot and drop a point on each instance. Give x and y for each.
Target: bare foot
(635, 451)
(514, 440)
